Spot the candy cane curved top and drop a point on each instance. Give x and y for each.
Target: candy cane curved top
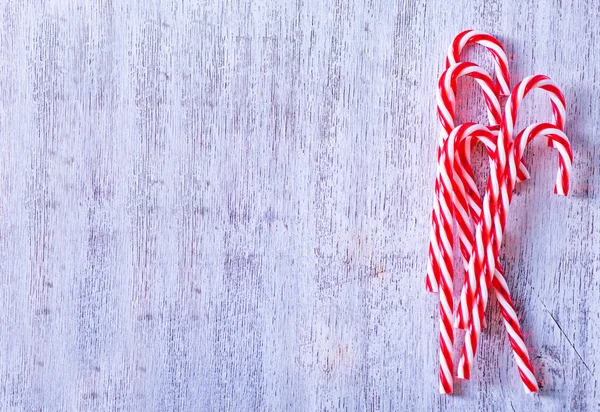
(446, 94)
(509, 119)
(538, 81)
(560, 142)
(469, 37)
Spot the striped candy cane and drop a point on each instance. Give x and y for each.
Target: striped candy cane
(511, 321)
(561, 143)
(446, 98)
(484, 256)
(558, 108)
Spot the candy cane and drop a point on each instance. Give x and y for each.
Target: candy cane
(559, 141)
(487, 247)
(558, 108)
(446, 97)
(511, 322)
(452, 194)
(516, 150)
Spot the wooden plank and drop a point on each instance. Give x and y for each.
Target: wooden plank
(225, 206)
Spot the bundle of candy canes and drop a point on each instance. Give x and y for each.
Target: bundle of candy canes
(480, 222)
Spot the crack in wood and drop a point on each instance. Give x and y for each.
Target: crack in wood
(567, 338)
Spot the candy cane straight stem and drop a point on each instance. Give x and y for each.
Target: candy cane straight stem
(468, 294)
(445, 220)
(515, 335)
(505, 302)
(451, 199)
(448, 187)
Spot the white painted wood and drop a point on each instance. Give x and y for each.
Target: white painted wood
(224, 205)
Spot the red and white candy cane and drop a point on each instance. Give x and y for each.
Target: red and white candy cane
(452, 204)
(468, 293)
(561, 143)
(483, 259)
(511, 322)
(468, 37)
(446, 97)
(448, 187)
(565, 160)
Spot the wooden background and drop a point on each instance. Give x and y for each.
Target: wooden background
(224, 205)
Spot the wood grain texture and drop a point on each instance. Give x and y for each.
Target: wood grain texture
(224, 205)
